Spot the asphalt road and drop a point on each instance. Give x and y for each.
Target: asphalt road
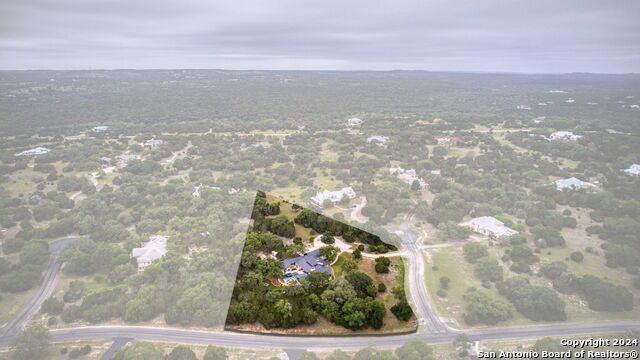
(47, 283)
(418, 291)
(316, 343)
(435, 332)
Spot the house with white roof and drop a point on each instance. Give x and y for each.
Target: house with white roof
(633, 170)
(564, 135)
(488, 225)
(152, 143)
(264, 145)
(408, 176)
(572, 183)
(378, 138)
(35, 151)
(100, 128)
(333, 196)
(354, 121)
(150, 251)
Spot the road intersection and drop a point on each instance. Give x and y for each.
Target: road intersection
(434, 330)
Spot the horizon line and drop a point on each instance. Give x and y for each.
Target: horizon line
(329, 70)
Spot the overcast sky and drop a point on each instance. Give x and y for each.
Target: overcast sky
(487, 35)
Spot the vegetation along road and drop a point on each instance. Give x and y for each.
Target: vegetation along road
(435, 331)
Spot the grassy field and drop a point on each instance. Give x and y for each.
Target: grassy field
(450, 263)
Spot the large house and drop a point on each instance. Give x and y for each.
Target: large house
(408, 176)
(633, 170)
(152, 143)
(354, 121)
(564, 135)
(35, 151)
(447, 140)
(488, 225)
(333, 196)
(100, 128)
(150, 251)
(300, 267)
(379, 139)
(572, 183)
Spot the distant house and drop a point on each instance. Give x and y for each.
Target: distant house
(564, 135)
(300, 267)
(152, 143)
(333, 196)
(540, 119)
(569, 101)
(35, 151)
(447, 140)
(123, 160)
(197, 190)
(150, 251)
(100, 128)
(633, 170)
(264, 145)
(523, 107)
(354, 121)
(572, 183)
(377, 138)
(408, 176)
(491, 226)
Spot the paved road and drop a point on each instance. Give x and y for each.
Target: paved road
(436, 332)
(46, 286)
(421, 300)
(317, 343)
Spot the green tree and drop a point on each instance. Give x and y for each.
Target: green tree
(181, 352)
(215, 353)
(308, 355)
(52, 306)
(488, 269)
(415, 349)
(474, 251)
(338, 355)
(139, 350)
(32, 343)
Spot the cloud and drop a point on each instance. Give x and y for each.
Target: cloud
(492, 35)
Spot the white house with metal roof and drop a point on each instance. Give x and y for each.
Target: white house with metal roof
(488, 225)
(633, 170)
(35, 151)
(572, 183)
(150, 251)
(564, 135)
(333, 196)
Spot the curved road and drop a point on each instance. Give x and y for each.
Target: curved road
(13, 327)
(436, 332)
(421, 300)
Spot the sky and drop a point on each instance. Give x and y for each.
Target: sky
(481, 36)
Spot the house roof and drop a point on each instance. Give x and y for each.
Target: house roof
(379, 138)
(334, 196)
(493, 225)
(152, 250)
(633, 170)
(572, 183)
(310, 262)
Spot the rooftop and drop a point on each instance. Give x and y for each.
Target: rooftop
(572, 183)
(309, 263)
(333, 196)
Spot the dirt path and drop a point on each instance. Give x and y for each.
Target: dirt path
(356, 212)
(346, 247)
